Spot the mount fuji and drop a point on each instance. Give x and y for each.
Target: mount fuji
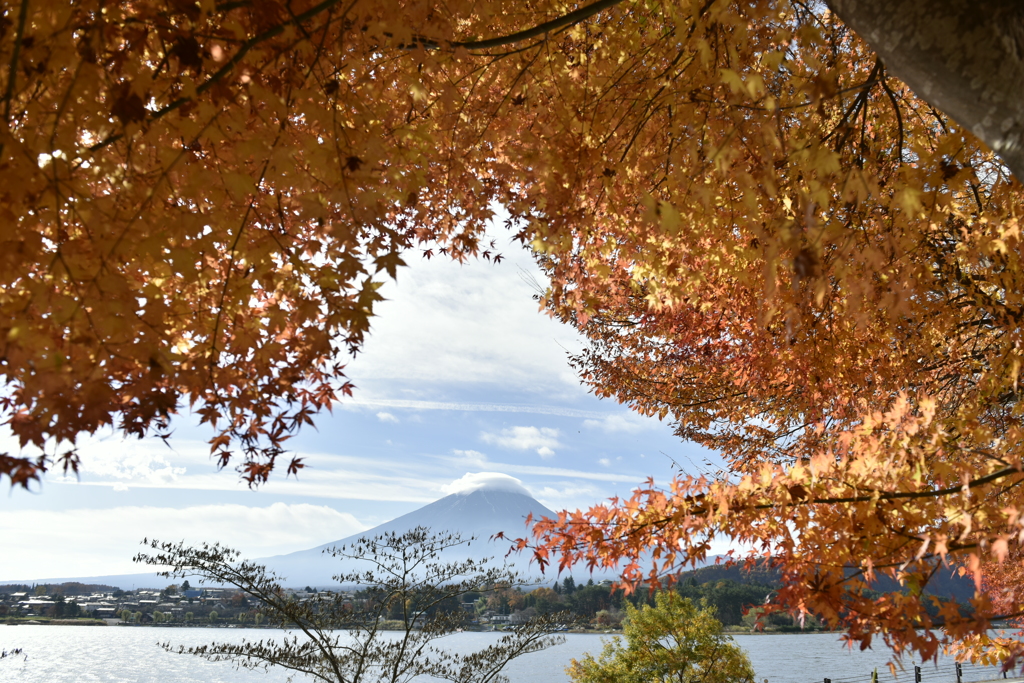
(481, 506)
(478, 505)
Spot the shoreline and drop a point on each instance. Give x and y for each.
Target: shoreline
(54, 622)
(593, 632)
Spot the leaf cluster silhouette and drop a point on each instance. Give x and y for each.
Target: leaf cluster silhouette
(332, 638)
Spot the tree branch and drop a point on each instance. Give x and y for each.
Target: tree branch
(981, 481)
(229, 66)
(12, 73)
(569, 19)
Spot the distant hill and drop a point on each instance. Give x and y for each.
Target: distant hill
(946, 583)
(68, 588)
(480, 513)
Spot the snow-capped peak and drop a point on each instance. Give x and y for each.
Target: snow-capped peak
(485, 481)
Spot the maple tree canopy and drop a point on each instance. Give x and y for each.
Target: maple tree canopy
(768, 237)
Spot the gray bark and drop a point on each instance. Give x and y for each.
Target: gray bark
(964, 57)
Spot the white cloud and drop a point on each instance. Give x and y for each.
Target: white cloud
(367, 480)
(629, 423)
(476, 323)
(605, 461)
(543, 440)
(41, 544)
(131, 461)
(123, 464)
(416, 404)
(570, 496)
(485, 481)
(477, 459)
(387, 417)
(471, 455)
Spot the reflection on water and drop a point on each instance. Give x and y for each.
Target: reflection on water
(69, 654)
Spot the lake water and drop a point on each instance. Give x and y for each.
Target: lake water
(113, 654)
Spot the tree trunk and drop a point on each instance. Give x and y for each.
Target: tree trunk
(964, 57)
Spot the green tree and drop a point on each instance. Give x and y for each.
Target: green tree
(606, 617)
(730, 599)
(126, 615)
(590, 599)
(189, 616)
(672, 641)
(213, 616)
(545, 600)
(59, 606)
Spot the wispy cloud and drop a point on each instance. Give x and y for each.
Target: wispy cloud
(471, 458)
(570, 496)
(629, 423)
(471, 407)
(542, 440)
(476, 323)
(387, 417)
(103, 541)
(124, 464)
(372, 481)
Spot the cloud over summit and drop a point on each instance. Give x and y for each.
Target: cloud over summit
(485, 481)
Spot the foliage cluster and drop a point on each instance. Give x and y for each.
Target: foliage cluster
(673, 640)
(728, 600)
(776, 246)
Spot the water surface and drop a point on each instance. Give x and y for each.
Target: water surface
(119, 654)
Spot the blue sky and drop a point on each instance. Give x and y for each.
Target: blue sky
(461, 373)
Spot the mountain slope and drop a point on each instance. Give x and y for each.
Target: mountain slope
(480, 514)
